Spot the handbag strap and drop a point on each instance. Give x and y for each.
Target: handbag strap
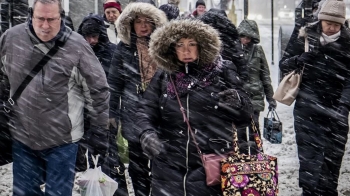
(273, 114)
(182, 109)
(257, 137)
(35, 71)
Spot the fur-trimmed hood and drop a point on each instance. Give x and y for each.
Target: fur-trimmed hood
(174, 2)
(124, 22)
(163, 40)
(249, 28)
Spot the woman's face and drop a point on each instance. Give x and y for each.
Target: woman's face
(143, 26)
(245, 40)
(330, 28)
(187, 50)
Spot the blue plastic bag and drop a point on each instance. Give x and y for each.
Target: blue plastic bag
(272, 128)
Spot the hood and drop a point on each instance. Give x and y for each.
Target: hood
(124, 22)
(163, 40)
(249, 28)
(220, 23)
(174, 2)
(103, 37)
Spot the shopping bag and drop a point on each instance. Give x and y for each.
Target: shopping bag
(243, 174)
(93, 182)
(272, 128)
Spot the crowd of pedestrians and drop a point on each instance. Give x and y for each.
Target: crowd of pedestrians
(134, 68)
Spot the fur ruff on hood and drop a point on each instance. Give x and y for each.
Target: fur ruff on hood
(163, 40)
(126, 18)
(174, 2)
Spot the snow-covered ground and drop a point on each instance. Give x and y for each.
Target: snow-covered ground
(286, 152)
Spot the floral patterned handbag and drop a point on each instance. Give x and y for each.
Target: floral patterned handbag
(249, 175)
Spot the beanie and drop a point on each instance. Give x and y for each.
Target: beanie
(171, 11)
(200, 2)
(333, 10)
(113, 4)
(90, 27)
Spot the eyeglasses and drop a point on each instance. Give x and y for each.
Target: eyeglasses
(49, 20)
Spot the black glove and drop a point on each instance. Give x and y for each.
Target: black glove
(97, 140)
(151, 144)
(307, 58)
(272, 104)
(231, 98)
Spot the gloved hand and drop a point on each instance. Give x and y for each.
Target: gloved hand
(231, 98)
(112, 122)
(272, 104)
(151, 144)
(307, 58)
(97, 140)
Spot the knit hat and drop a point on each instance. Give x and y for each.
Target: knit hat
(171, 11)
(200, 2)
(113, 4)
(90, 27)
(333, 10)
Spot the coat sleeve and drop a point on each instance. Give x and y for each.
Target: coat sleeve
(242, 116)
(293, 50)
(95, 88)
(239, 60)
(148, 114)
(116, 82)
(265, 74)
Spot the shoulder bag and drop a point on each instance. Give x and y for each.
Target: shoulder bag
(288, 89)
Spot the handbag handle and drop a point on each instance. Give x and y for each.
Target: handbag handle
(182, 109)
(273, 113)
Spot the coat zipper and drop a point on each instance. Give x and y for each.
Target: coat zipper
(188, 141)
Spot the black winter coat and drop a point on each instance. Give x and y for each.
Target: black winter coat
(211, 123)
(321, 135)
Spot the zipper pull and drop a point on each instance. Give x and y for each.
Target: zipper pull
(137, 89)
(186, 67)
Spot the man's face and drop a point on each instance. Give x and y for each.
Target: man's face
(330, 28)
(92, 39)
(46, 20)
(200, 9)
(112, 14)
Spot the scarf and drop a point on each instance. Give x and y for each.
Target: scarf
(202, 77)
(325, 39)
(147, 67)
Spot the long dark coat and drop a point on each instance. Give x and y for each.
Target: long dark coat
(321, 136)
(179, 170)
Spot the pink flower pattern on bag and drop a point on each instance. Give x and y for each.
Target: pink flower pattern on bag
(239, 180)
(250, 192)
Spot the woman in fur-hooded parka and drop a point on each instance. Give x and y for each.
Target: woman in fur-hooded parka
(178, 170)
(129, 75)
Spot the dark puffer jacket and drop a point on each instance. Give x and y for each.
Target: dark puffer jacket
(231, 49)
(320, 134)
(179, 170)
(124, 77)
(104, 50)
(258, 83)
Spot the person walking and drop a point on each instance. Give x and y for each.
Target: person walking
(200, 9)
(258, 82)
(131, 71)
(112, 10)
(187, 52)
(322, 105)
(94, 31)
(47, 117)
